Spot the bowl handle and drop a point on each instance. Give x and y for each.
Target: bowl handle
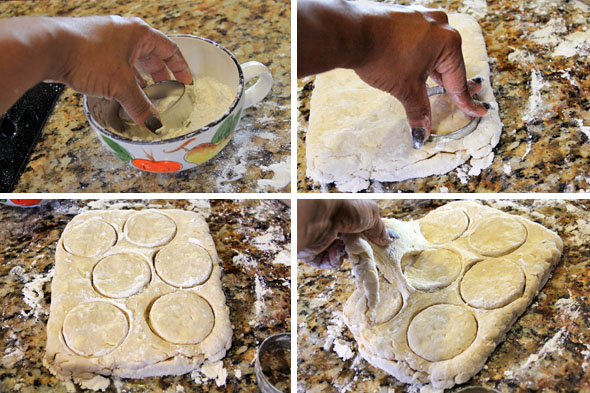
(260, 89)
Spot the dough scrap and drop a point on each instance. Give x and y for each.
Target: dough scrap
(89, 239)
(440, 227)
(120, 275)
(95, 328)
(357, 133)
(452, 327)
(182, 318)
(184, 265)
(86, 337)
(492, 284)
(149, 229)
(390, 302)
(420, 344)
(486, 241)
(433, 269)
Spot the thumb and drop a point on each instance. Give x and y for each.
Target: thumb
(417, 108)
(138, 106)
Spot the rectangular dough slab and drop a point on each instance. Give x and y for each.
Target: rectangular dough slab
(357, 133)
(142, 353)
(385, 343)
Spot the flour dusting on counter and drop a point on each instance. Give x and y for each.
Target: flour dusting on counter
(281, 175)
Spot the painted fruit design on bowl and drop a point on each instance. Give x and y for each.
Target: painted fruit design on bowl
(145, 164)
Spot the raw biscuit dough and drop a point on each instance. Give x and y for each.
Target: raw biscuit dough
(112, 314)
(357, 133)
(442, 335)
(183, 266)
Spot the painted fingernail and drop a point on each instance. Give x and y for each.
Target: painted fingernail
(478, 79)
(392, 234)
(418, 134)
(153, 123)
(486, 105)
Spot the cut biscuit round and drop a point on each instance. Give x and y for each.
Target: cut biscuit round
(95, 328)
(90, 238)
(183, 265)
(441, 332)
(443, 226)
(498, 236)
(492, 284)
(150, 229)
(181, 318)
(433, 269)
(390, 302)
(120, 275)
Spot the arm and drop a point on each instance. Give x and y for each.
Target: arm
(393, 48)
(93, 55)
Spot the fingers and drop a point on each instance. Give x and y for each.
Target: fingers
(137, 105)
(378, 233)
(331, 258)
(155, 67)
(169, 53)
(417, 107)
(452, 72)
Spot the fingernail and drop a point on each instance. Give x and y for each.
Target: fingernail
(153, 123)
(418, 134)
(478, 79)
(486, 105)
(392, 234)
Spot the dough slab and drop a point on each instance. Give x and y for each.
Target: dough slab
(445, 305)
(357, 133)
(121, 305)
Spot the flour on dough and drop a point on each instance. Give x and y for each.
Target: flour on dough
(357, 133)
(124, 312)
(448, 304)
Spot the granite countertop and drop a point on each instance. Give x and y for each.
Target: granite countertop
(70, 158)
(543, 101)
(253, 242)
(547, 349)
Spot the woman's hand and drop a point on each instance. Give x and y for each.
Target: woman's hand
(321, 221)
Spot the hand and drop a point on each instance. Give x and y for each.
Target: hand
(101, 53)
(406, 46)
(320, 223)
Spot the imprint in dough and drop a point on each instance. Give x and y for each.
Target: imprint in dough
(181, 318)
(120, 275)
(486, 240)
(90, 239)
(183, 265)
(492, 284)
(390, 302)
(444, 226)
(441, 332)
(433, 269)
(149, 229)
(95, 329)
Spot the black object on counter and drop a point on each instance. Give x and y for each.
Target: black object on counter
(20, 128)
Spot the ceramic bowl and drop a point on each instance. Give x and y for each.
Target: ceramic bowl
(205, 58)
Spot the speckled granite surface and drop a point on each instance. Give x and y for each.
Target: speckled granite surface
(543, 101)
(70, 158)
(253, 273)
(547, 349)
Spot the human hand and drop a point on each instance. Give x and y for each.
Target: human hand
(100, 54)
(320, 222)
(406, 45)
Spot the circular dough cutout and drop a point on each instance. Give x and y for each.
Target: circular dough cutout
(183, 265)
(492, 284)
(433, 269)
(149, 229)
(441, 332)
(95, 329)
(390, 302)
(498, 236)
(120, 275)
(90, 238)
(444, 226)
(182, 318)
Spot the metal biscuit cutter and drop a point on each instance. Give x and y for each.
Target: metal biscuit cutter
(457, 134)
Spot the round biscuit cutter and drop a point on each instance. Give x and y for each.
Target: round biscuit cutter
(457, 134)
